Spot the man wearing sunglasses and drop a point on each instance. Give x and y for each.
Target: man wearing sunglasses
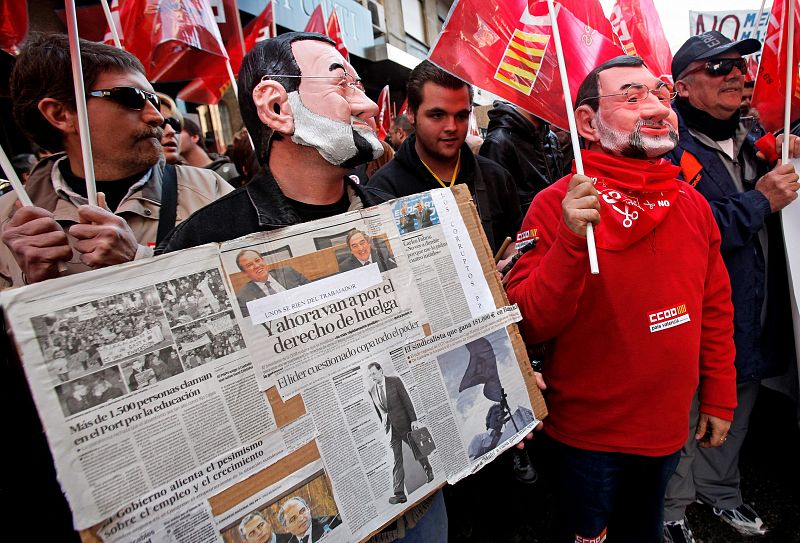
(311, 123)
(746, 194)
(626, 348)
(125, 124)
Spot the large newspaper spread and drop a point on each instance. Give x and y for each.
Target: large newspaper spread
(278, 380)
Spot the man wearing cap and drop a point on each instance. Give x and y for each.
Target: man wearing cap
(746, 194)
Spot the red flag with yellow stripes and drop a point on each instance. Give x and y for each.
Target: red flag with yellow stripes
(507, 51)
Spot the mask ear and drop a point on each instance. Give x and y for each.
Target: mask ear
(272, 104)
(586, 124)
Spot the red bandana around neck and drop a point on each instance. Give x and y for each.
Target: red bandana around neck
(635, 196)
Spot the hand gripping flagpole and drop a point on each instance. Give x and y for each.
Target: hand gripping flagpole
(19, 188)
(80, 102)
(573, 131)
(791, 70)
(112, 27)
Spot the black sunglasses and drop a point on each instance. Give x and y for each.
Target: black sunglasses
(723, 66)
(129, 97)
(176, 125)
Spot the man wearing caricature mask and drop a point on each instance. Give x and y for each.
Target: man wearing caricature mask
(311, 123)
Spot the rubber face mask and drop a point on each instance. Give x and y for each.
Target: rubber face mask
(341, 144)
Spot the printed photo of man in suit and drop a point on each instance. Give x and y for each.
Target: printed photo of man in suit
(396, 412)
(255, 528)
(263, 280)
(364, 251)
(295, 516)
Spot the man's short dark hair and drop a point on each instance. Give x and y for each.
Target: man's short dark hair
(272, 56)
(590, 89)
(426, 72)
(401, 121)
(191, 128)
(374, 365)
(43, 69)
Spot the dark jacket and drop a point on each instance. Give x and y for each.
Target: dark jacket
(490, 184)
(532, 155)
(257, 207)
(760, 351)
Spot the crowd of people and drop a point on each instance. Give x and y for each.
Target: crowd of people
(650, 369)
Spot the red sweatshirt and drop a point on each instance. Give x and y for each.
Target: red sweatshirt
(628, 346)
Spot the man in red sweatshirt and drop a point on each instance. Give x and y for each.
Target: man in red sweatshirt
(628, 347)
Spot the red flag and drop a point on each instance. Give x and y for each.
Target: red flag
(334, 32)
(590, 12)
(260, 28)
(184, 40)
(209, 90)
(108, 38)
(403, 107)
(638, 26)
(384, 114)
(507, 51)
(13, 24)
(316, 23)
(769, 93)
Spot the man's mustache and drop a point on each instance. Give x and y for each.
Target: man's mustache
(151, 132)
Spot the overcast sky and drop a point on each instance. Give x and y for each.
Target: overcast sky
(675, 14)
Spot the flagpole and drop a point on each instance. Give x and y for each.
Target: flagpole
(573, 130)
(19, 188)
(791, 70)
(80, 102)
(111, 24)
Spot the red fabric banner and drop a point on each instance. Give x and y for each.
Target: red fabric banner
(769, 93)
(334, 32)
(209, 89)
(316, 22)
(638, 27)
(108, 38)
(384, 119)
(508, 51)
(183, 38)
(13, 24)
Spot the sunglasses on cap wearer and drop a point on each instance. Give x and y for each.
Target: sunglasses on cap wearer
(176, 125)
(129, 97)
(723, 66)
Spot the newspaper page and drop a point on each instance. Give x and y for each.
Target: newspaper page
(140, 373)
(314, 296)
(185, 402)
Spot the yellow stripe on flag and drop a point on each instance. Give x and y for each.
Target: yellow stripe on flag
(534, 65)
(510, 82)
(527, 36)
(518, 71)
(522, 60)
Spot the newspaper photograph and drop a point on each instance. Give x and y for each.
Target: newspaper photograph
(320, 379)
(300, 506)
(140, 373)
(352, 282)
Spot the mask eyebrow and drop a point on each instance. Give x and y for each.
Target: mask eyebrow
(336, 66)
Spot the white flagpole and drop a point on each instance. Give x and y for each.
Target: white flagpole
(19, 188)
(80, 102)
(112, 26)
(573, 131)
(791, 70)
(236, 93)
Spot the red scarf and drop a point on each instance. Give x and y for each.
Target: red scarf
(635, 196)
